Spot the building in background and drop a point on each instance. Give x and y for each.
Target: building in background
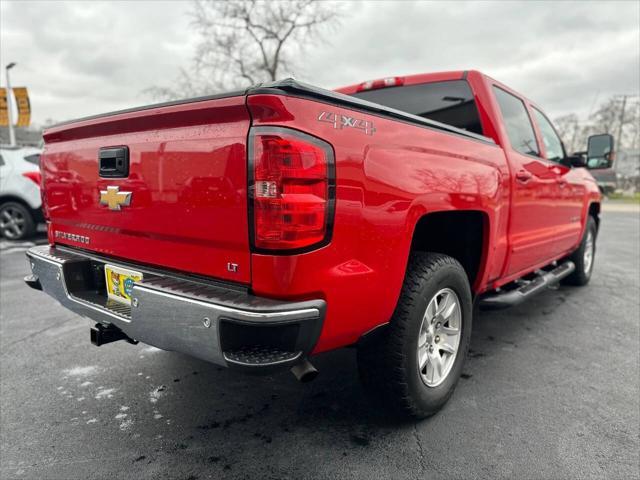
(28, 137)
(627, 168)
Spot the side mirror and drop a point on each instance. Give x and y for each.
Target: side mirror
(600, 151)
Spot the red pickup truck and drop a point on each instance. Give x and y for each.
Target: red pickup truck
(257, 228)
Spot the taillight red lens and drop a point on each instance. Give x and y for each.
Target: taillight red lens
(33, 176)
(292, 189)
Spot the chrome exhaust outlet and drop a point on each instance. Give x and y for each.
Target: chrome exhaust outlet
(304, 371)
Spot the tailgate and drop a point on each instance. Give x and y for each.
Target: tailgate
(183, 203)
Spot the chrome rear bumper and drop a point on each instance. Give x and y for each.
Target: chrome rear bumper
(221, 325)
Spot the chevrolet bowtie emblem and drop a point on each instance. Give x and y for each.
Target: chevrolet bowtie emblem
(114, 199)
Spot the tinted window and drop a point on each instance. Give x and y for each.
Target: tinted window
(448, 102)
(552, 143)
(35, 159)
(517, 122)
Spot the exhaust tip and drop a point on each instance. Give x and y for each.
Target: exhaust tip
(304, 371)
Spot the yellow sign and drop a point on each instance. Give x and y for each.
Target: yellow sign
(24, 106)
(4, 112)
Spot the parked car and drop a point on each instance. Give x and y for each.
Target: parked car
(377, 217)
(20, 202)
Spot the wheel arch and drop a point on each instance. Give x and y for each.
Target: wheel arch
(594, 211)
(461, 234)
(14, 198)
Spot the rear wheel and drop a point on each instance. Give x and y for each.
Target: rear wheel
(415, 364)
(16, 221)
(584, 256)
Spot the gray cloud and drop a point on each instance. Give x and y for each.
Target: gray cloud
(80, 58)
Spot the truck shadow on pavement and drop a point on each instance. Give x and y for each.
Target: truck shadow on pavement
(215, 410)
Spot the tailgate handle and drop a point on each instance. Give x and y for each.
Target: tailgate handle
(114, 162)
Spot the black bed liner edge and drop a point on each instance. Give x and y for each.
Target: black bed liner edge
(295, 88)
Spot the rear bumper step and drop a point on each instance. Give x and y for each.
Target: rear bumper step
(217, 324)
(33, 281)
(510, 298)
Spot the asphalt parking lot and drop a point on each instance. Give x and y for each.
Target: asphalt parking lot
(551, 390)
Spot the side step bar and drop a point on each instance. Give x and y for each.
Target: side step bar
(510, 298)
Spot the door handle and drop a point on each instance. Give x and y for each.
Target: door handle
(562, 183)
(523, 176)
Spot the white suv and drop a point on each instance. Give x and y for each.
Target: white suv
(20, 202)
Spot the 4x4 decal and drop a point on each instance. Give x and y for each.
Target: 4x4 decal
(340, 121)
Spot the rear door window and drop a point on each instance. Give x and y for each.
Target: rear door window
(450, 102)
(517, 122)
(34, 158)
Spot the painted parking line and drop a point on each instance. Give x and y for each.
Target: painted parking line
(621, 207)
(6, 244)
(9, 251)
(7, 247)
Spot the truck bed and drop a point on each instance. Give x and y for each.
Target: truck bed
(187, 179)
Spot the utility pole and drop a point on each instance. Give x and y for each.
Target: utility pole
(12, 134)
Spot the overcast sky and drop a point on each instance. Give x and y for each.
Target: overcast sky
(82, 58)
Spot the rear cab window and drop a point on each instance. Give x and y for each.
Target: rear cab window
(450, 102)
(517, 122)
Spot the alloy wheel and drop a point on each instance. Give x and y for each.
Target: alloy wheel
(589, 245)
(439, 337)
(12, 222)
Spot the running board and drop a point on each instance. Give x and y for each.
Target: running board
(505, 299)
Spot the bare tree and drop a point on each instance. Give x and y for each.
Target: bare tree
(244, 42)
(618, 115)
(569, 129)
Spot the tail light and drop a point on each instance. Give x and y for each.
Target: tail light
(33, 176)
(291, 189)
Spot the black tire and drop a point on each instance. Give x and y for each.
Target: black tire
(582, 274)
(388, 362)
(23, 225)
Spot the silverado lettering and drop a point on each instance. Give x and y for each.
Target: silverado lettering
(72, 237)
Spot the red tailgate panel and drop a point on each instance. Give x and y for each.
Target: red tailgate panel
(187, 177)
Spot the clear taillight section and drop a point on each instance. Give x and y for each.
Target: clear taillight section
(292, 189)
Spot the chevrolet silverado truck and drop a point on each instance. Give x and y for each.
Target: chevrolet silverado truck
(257, 228)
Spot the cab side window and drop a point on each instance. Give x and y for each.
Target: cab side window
(552, 143)
(517, 121)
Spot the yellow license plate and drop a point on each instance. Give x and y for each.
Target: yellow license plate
(120, 283)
